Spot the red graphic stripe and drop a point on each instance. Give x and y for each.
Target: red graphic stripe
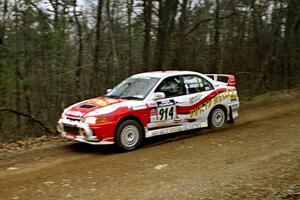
(187, 109)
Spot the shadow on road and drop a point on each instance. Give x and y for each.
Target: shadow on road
(148, 142)
(94, 149)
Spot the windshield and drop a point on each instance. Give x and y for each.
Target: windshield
(133, 88)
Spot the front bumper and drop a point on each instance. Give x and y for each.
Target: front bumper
(82, 139)
(88, 136)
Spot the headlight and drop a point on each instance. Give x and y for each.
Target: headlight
(94, 120)
(90, 120)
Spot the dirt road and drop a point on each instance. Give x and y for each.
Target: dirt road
(256, 158)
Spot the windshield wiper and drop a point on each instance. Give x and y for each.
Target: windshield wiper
(132, 97)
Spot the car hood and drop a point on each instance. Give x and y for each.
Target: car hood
(87, 107)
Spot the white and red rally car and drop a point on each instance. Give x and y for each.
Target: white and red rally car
(151, 104)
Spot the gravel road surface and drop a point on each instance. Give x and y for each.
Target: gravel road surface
(258, 157)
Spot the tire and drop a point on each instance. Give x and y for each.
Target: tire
(129, 135)
(216, 118)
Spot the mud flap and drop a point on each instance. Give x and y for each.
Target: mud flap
(230, 121)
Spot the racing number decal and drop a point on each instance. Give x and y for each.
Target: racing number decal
(166, 113)
(166, 110)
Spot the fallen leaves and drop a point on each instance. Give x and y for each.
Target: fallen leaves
(29, 143)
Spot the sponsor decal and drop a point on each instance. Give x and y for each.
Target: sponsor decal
(233, 96)
(235, 105)
(75, 113)
(224, 95)
(175, 129)
(153, 114)
(197, 111)
(139, 107)
(153, 111)
(127, 107)
(166, 110)
(152, 104)
(102, 102)
(103, 111)
(166, 103)
(215, 100)
(153, 118)
(195, 99)
(233, 100)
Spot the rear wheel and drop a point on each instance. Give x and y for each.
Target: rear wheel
(216, 118)
(129, 135)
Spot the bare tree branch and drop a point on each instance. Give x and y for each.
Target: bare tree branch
(207, 20)
(41, 124)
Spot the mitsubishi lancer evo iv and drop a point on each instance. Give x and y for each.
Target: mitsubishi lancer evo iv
(152, 104)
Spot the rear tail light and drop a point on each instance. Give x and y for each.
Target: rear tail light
(231, 80)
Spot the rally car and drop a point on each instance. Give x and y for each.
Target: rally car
(152, 104)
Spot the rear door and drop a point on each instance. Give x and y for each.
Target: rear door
(194, 106)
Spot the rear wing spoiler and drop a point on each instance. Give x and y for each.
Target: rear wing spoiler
(228, 79)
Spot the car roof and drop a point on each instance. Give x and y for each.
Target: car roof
(161, 74)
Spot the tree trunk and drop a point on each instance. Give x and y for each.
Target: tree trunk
(114, 68)
(179, 58)
(3, 25)
(291, 42)
(79, 52)
(232, 40)
(130, 35)
(2, 54)
(216, 48)
(167, 12)
(17, 74)
(271, 63)
(59, 52)
(147, 36)
(255, 35)
(96, 69)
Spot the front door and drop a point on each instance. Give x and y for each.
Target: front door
(164, 113)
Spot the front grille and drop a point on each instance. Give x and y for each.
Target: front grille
(70, 129)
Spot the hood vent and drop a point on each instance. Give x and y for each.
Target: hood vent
(86, 106)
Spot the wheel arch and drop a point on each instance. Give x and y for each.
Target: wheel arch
(130, 117)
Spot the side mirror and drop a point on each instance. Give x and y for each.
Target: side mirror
(159, 95)
(108, 90)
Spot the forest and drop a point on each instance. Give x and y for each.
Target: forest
(54, 53)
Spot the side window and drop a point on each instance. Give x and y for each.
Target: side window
(195, 84)
(171, 86)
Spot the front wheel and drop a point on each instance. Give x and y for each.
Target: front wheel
(216, 118)
(129, 135)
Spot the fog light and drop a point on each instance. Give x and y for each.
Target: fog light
(83, 133)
